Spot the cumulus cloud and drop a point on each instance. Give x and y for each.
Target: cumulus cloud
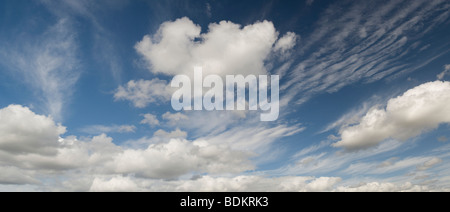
(24, 132)
(177, 157)
(419, 109)
(150, 119)
(100, 165)
(227, 48)
(31, 145)
(32, 142)
(143, 92)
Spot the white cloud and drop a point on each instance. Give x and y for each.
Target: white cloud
(114, 184)
(48, 64)
(174, 118)
(256, 184)
(202, 123)
(445, 72)
(150, 119)
(177, 157)
(226, 48)
(41, 149)
(365, 42)
(393, 165)
(24, 132)
(174, 134)
(13, 175)
(353, 116)
(419, 109)
(286, 43)
(97, 164)
(383, 187)
(99, 129)
(320, 160)
(257, 139)
(143, 92)
(430, 163)
(211, 184)
(208, 10)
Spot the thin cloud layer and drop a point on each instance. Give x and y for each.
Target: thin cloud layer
(48, 64)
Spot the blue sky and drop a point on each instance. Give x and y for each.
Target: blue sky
(85, 96)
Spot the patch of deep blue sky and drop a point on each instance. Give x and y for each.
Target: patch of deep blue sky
(116, 31)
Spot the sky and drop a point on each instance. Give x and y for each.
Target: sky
(85, 95)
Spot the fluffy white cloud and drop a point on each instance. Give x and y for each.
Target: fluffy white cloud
(419, 109)
(150, 119)
(143, 92)
(227, 48)
(32, 142)
(177, 157)
(23, 132)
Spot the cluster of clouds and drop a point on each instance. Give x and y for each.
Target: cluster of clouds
(225, 49)
(34, 148)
